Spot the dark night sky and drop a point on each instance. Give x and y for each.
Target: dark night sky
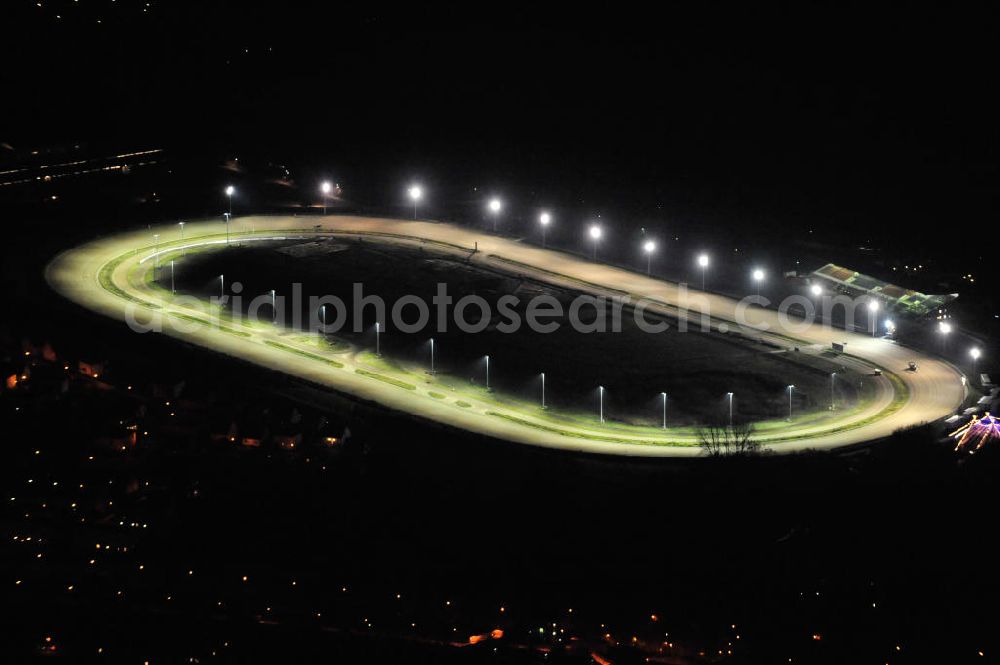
(832, 111)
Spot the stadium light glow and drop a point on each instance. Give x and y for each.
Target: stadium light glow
(326, 187)
(544, 219)
(495, 205)
(595, 235)
(416, 193)
(872, 308)
(230, 190)
(816, 290)
(758, 277)
(975, 353)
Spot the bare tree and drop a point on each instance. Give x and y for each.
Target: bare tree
(728, 441)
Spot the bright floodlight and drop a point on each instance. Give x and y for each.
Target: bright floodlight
(816, 289)
(703, 260)
(975, 353)
(495, 205)
(873, 306)
(230, 190)
(595, 232)
(944, 327)
(889, 324)
(545, 218)
(758, 275)
(416, 192)
(326, 187)
(649, 246)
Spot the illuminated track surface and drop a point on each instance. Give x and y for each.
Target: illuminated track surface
(110, 276)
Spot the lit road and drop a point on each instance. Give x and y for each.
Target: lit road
(109, 276)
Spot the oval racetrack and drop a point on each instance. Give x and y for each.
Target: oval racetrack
(108, 276)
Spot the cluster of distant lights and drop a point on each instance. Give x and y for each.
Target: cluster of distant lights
(979, 431)
(98, 559)
(145, 9)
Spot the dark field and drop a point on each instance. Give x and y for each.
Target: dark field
(696, 369)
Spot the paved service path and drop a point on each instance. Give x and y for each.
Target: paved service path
(110, 276)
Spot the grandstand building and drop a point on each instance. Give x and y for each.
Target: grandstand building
(895, 298)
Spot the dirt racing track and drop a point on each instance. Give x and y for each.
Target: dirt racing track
(110, 276)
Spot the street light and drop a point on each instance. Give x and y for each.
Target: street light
(790, 390)
(222, 286)
(544, 220)
(274, 308)
(649, 247)
(495, 205)
(833, 403)
(730, 396)
(230, 190)
(872, 308)
(975, 353)
(378, 348)
(664, 396)
(595, 235)
(758, 277)
(703, 264)
(416, 193)
(487, 372)
(543, 390)
(325, 188)
(181, 224)
(944, 328)
(816, 290)
(432, 355)
(600, 393)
